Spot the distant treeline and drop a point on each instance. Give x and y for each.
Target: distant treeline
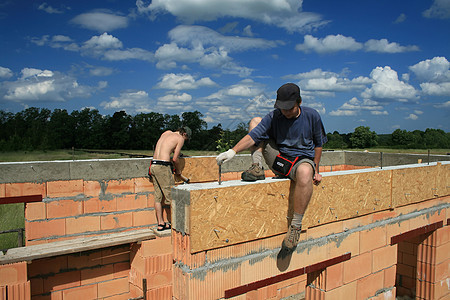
(42, 129)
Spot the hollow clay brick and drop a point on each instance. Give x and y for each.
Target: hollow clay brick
(64, 208)
(121, 269)
(120, 186)
(82, 224)
(357, 267)
(47, 266)
(143, 185)
(163, 293)
(156, 247)
(13, 273)
(113, 287)
(369, 285)
(383, 258)
(344, 292)
(64, 188)
(129, 202)
(116, 221)
(372, 239)
(35, 211)
(61, 281)
(144, 218)
(40, 229)
(334, 276)
(83, 292)
(92, 188)
(19, 291)
(96, 274)
(2, 190)
(24, 189)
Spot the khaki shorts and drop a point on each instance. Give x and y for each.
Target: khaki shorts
(270, 151)
(162, 182)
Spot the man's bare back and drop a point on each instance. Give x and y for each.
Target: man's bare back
(169, 142)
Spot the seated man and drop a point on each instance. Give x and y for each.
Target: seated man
(297, 135)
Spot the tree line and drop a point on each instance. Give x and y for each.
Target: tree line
(42, 129)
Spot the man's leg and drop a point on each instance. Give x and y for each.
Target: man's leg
(301, 195)
(255, 172)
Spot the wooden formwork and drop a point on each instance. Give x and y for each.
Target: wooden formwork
(221, 216)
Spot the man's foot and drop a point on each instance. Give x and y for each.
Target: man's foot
(291, 239)
(164, 226)
(255, 172)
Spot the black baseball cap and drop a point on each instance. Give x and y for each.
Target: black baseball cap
(287, 96)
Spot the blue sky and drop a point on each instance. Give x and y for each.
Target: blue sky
(376, 63)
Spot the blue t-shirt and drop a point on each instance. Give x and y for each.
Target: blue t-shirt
(294, 137)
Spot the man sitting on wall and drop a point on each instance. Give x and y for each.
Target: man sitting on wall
(290, 139)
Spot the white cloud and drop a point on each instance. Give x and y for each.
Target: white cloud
(440, 9)
(318, 80)
(5, 73)
(132, 53)
(384, 46)
(331, 43)
(100, 21)
(436, 89)
(169, 55)
(335, 43)
(100, 71)
(435, 76)
(400, 19)
(432, 70)
(98, 45)
(131, 101)
(388, 86)
(200, 36)
(443, 105)
(44, 85)
(173, 81)
(412, 117)
(104, 46)
(286, 14)
(176, 98)
(354, 107)
(49, 9)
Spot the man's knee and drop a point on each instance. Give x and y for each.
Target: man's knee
(304, 174)
(254, 122)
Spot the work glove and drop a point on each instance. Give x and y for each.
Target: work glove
(225, 156)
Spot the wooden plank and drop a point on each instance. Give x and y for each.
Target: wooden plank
(345, 196)
(443, 180)
(411, 185)
(75, 245)
(200, 169)
(234, 214)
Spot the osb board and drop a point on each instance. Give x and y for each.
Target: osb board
(443, 180)
(230, 215)
(411, 185)
(346, 196)
(200, 169)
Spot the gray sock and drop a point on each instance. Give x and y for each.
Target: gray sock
(257, 157)
(297, 220)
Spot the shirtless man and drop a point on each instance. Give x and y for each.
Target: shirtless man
(161, 170)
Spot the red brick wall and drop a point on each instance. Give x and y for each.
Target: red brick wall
(78, 208)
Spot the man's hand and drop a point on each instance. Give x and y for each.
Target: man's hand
(317, 178)
(225, 156)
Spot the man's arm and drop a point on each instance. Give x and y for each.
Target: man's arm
(317, 156)
(176, 154)
(244, 143)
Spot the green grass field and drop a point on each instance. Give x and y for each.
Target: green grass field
(11, 217)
